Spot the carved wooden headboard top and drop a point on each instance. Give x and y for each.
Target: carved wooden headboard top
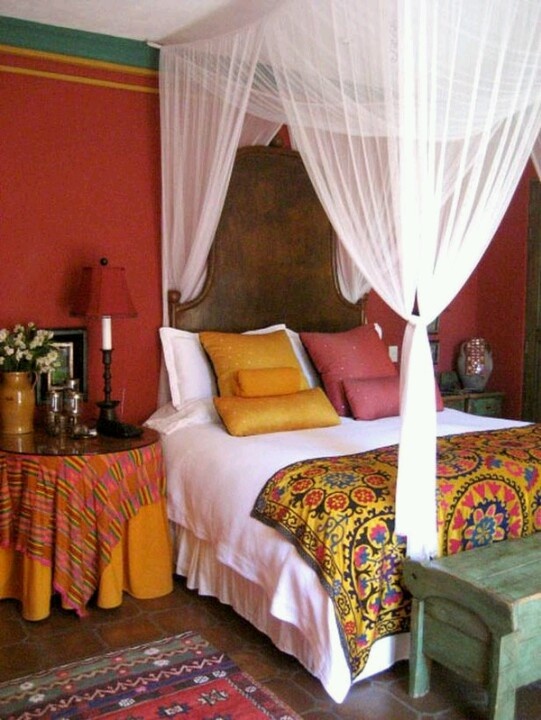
(273, 257)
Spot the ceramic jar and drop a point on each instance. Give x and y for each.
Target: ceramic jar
(17, 402)
(475, 364)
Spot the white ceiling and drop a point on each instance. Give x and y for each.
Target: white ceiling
(148, 20)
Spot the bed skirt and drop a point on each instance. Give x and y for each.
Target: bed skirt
(196, 561)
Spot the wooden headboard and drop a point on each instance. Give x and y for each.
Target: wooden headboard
(273, 257)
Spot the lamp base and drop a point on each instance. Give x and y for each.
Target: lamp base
(109, 425)
(107, 410)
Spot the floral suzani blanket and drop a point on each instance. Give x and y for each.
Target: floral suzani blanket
(339, 513)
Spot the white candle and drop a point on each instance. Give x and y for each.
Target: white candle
(106, 333)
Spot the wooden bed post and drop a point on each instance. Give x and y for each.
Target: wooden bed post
(362, 307)
(173, 299)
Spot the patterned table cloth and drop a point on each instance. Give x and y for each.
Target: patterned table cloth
(68, 512)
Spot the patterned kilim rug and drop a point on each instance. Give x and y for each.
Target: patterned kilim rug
(179, 677)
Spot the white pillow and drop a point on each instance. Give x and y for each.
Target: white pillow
(190, 373)
(306, 364)
(191, 377)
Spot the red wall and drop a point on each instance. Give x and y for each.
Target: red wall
(81, 180)
(502, 296)
(490, 305)
(457, 323)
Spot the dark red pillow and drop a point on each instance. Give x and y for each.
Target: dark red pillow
(358, 353)
(377, 397)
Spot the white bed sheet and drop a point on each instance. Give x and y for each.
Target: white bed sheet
(213, 480)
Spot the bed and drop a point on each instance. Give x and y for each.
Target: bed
(272, 278)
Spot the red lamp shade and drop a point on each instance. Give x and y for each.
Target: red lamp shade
(103, 292)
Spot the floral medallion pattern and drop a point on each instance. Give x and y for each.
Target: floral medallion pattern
(339, 513)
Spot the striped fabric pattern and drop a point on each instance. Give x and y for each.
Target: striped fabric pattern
(68, 512)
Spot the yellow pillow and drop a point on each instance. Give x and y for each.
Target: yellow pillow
(297, 411)
(230, 352)
(267, 381)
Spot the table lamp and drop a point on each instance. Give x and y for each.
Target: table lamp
(103, 293)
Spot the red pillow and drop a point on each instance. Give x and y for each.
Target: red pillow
(358, 353)
(377, 397)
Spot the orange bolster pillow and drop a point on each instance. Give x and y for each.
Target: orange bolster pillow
(264, 382)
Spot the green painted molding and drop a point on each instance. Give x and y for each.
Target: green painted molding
(93, 46)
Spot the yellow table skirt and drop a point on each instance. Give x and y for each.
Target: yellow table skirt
(140, 565)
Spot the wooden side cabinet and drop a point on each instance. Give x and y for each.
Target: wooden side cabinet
(478, 613)
(484, 403)
(455, 402)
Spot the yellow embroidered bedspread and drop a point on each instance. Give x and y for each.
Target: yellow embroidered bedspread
(339, 513)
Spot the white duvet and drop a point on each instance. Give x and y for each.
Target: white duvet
(213, 480)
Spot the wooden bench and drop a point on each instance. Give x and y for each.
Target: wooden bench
(478, 613)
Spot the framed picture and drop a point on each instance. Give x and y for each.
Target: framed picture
(434, 326)
(71, 344)
(435, 351)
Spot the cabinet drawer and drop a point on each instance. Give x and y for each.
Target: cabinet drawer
(455, 402)
(490, 405)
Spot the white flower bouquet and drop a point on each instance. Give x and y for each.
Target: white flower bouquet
(27, 349)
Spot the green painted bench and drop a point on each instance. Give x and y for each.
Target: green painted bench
(478, 613)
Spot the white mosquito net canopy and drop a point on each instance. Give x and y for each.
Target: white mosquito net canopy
(415, 120)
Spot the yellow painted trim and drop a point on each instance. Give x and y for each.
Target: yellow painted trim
(73, 60)
(77, 79)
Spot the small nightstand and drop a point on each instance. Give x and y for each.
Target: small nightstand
(484, 403)
(84, 515)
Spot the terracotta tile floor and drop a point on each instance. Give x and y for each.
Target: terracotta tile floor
(26, 647)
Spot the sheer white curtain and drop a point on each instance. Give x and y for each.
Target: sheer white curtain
(353, 284)
(203, 115)
(415, 120)
(536, 156)
(258, 131)
(203, 120)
